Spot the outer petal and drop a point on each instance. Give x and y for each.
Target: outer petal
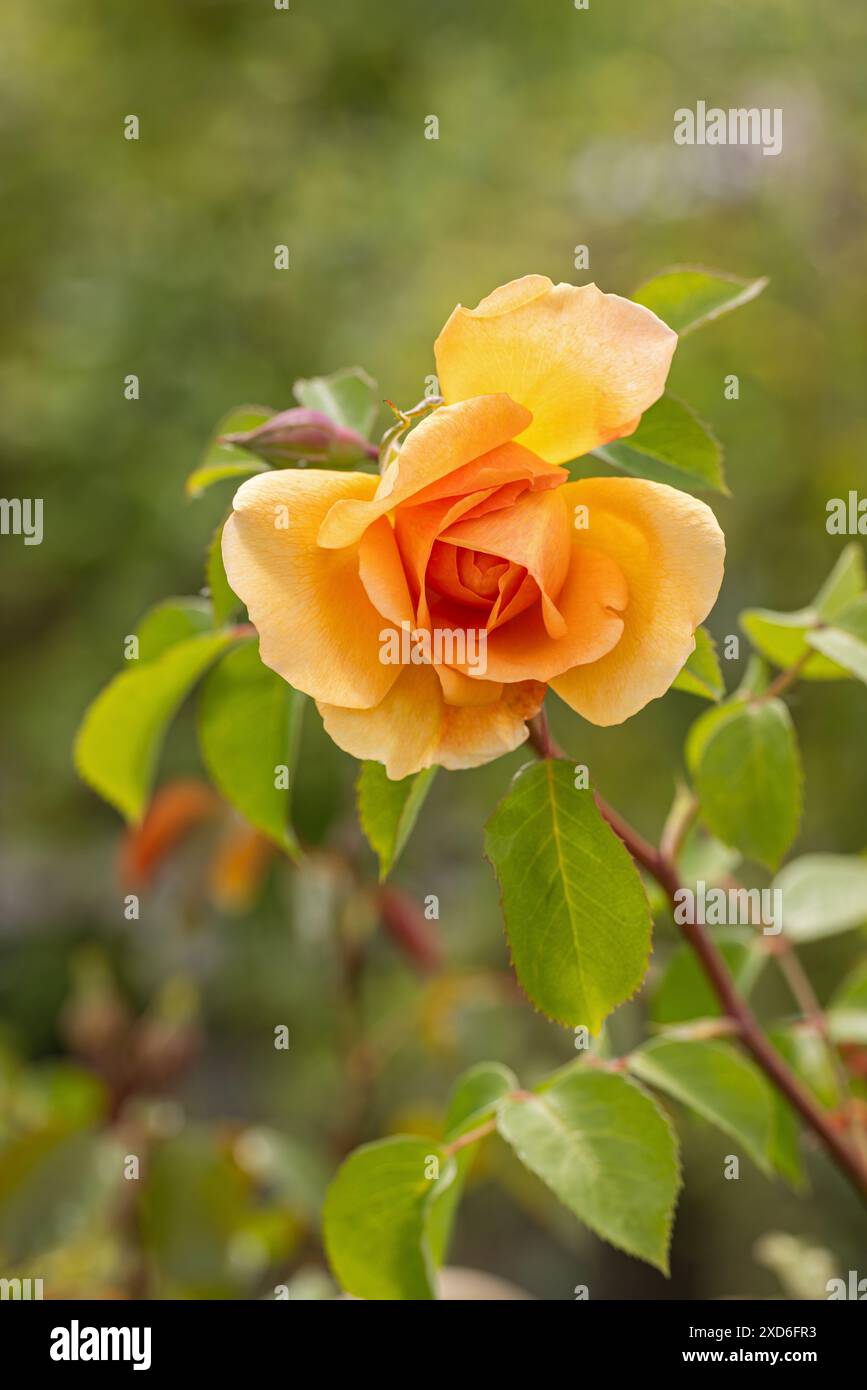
(586, 364)
(413, 728)
(317, 627)
(444, 442)
(670, 549)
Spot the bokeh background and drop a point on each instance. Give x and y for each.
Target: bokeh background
(155, 257)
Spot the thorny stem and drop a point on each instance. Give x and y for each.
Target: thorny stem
(664, 871)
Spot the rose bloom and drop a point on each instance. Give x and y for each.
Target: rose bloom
(474, 528)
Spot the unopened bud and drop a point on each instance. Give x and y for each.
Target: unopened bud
(293, 435)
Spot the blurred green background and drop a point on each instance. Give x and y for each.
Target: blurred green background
(155, 257)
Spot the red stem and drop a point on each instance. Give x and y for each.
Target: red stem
(664, 871)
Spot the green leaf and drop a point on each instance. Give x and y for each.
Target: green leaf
(717, 1083)
(755, 679)
(224, 601)
(576, 913)
(846, 581)
(222, 461)
(671, 445)
(374, 1219)
(785, 1147)
(389, 810)
(747, 773)
(845, 640)
(808, 1055)
(53, 1183)
(249, 723)
(785, 638)
(702, 674)
(685, 296)
(684, 993)
(852, 991)
(347, 397)
(703, 856)
(823, 894)
(195, 1205)
(473, 1100)
(607, 1151)
(847, 1010)
(170, 622)
(475, 1096)
(121, 734)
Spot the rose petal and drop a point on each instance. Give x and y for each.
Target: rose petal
(382, 574)
(442, 443)
(671, 550)
(414, 728)
(317, 627)
(586, 364)
(590, 601)
(534, 534)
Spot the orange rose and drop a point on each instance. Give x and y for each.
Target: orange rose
(427, 610)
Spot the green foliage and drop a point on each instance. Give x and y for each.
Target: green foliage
(786, 638)
(823, 894)
(747, 773)
(686, 297)
(783, 639)
(847, 1011)
(671, 445)
(607, 1151)
(170, 622)
(374, 1221)
(576, 912)
(347, 397)
(221, 461)
(196, 313)
(225, 603)
(389, 810)
(716, 1082)
(249, 723)
(684, 993)
(198, 1210)
(785, 1146)
(121, 734)
(45, 1176)
(844, 640)
(56, 1164)
(473, 1101)
(807, 1054)
(701, 674)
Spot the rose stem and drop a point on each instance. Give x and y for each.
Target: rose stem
(664, 871)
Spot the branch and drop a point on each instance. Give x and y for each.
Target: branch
(664, 871)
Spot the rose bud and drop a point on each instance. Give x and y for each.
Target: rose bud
(299, 434)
